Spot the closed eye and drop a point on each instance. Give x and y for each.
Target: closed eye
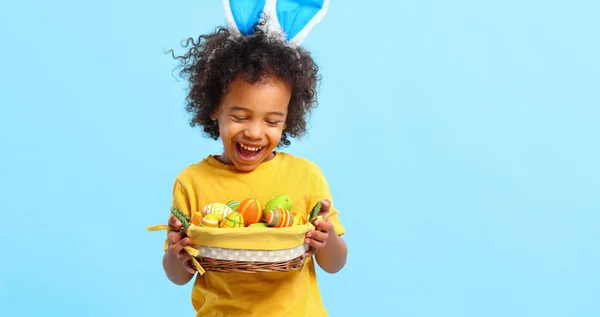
(273, 122)
(238, 118)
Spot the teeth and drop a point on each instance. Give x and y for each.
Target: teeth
(250, 148)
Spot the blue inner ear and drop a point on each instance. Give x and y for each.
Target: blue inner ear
(247, 14)
(294, 15)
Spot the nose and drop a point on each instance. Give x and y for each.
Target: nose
(253, 131)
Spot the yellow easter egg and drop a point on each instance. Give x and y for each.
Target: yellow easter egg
(209, 220)
(218, 209)
(233, 220)
(297, 220)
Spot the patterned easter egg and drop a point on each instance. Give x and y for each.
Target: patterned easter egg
(233, 205)
(196, 218)
(251, 210)
(279, 217)
(209, 220)
(281, 201)
(218, 209)
(233, 220)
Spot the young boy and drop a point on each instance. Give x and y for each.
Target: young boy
(253, 92)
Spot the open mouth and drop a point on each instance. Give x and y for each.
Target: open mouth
(249, 153)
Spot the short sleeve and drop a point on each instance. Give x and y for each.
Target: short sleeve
(180, 201)
(319, 191)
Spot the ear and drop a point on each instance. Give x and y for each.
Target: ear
(214, 115)
(297, 17)
(243, 15)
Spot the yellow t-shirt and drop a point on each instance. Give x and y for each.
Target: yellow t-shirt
(294, 294)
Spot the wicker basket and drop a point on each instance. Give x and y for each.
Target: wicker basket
(247, 249)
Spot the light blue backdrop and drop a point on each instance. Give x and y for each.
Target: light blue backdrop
(460, 140)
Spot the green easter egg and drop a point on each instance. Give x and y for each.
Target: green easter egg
(259, 225)
(281, 201)
(233, 205)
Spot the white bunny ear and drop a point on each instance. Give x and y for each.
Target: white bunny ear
(296, 18)
(243, 15)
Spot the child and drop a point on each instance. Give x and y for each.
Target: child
(253, 88)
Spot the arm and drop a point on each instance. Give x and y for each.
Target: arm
(175, 270)
(326, 245)
(332, 257)
(176, 261)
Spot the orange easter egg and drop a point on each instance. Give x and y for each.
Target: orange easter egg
(251, 210)
(196, 218)
(279, 217)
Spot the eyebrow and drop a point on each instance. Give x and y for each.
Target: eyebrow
(237, 108)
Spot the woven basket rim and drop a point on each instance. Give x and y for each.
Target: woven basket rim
(249, 238)
(226, 266)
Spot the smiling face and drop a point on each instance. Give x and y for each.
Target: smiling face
(251, 120)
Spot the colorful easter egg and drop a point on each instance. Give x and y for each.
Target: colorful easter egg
(251, 210)
(279, 217)
(233, 204)
(259, 225)
(281, 201)
(196, 217)
(218, 209)
(233, 220)
(209, 220)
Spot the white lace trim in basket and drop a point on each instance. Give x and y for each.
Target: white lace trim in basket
(251, 255)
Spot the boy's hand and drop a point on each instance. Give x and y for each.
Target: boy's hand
(317, 239)
(177, 241)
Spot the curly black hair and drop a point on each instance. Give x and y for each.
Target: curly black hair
(216, 59)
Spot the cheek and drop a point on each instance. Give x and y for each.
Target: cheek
(227, 131)
(274, 136)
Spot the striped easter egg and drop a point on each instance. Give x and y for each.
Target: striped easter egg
(233, 205)
(279, 217)
(251, 210)
(218, 209)
(209, 220)
(233, 220)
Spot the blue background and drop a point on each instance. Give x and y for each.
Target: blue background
(460, 141)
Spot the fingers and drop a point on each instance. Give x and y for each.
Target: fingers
(189, 266)
(183, 256)
(174, 222)
(178, 240)
(175, 236)
(325, 205)
(325, 226)
(316, 243)
(311, 251)
(177, 247)
(316, 239)
(320, 236)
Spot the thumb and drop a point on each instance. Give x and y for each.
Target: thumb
(325, 205)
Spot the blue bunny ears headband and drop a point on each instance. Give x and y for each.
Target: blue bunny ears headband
(292, 20)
